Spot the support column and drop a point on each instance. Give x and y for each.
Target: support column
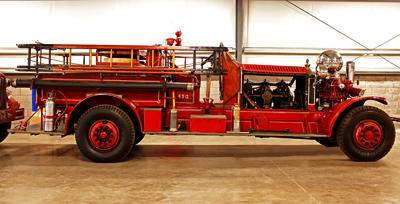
(242, 7)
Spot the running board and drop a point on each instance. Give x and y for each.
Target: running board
(35, 132)
(266, 134)
(35, 129)
(260, 134)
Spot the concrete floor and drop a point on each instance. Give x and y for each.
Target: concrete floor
(198, 169)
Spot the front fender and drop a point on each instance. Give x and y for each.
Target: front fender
(332, 118)
(100, 98)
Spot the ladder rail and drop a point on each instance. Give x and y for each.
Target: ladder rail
(63, 58)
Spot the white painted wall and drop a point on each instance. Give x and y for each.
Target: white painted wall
(279, 24)
(205, 22)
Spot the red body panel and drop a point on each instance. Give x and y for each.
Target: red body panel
(281, 120)
(152, 119)
(208, 123)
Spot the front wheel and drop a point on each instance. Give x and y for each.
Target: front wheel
(4, 130)
(366, 133)
(105, 133)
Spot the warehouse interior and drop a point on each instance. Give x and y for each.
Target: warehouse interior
(204, 168)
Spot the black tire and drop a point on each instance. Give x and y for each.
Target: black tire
(139, 137)
(100, 125)
(328, 142)
(358, 138)
(3, 130)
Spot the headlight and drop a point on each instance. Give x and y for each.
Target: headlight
(330, 61)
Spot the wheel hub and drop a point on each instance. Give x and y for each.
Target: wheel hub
(104, 135)
(368, 135)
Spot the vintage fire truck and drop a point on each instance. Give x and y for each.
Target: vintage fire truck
(111, 96)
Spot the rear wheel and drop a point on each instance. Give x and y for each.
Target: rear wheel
(366, 134)
(105, 133)
(4, 130)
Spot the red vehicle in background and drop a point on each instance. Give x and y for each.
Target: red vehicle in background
(9, 108)
(111, 96)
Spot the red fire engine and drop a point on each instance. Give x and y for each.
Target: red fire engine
(111, 96)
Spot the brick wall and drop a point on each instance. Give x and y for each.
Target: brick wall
(387, 86)
(24, 97)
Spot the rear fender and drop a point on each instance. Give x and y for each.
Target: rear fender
(98, 99)
(332, 118)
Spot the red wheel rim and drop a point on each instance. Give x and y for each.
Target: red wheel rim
(104, 135)
(368, 135)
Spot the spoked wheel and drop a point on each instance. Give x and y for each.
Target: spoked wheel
(366, 134)
(3, 130)
(105, 133)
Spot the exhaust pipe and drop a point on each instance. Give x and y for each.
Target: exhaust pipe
(350, 70)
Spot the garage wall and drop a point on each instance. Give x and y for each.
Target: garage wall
(280, 25)
(148, 22)
(24, 97)
(387, 86)
(205, 22)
